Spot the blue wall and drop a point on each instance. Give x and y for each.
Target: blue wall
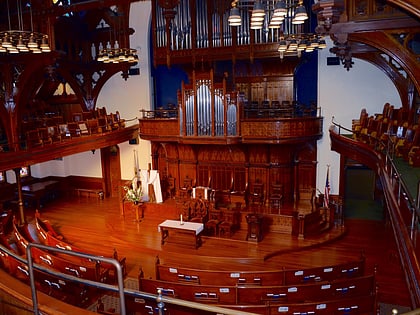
(167, 81)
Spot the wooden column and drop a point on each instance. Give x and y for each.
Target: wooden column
(20, 199)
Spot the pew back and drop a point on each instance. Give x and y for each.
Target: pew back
(266, 278)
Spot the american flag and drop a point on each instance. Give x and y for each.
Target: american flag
(327, 189)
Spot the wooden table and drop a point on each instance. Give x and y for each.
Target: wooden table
(41, 190)
(187, 233)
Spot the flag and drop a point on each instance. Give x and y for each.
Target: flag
(327, 189)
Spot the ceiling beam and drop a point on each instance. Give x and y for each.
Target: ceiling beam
(87, 5)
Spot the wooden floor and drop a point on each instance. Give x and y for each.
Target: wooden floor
(98, 226)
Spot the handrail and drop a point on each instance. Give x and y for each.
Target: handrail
(393, 171)
(120, 288)
(388, 174)
(77, 254)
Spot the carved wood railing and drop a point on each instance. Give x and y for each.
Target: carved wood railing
(11, 160)
(400, 208)
(261, 130)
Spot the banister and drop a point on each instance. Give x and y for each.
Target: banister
(382, 164)
(109, 287)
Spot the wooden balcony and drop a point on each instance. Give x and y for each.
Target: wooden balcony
(401, 211)
(11, 160)
(258, 130)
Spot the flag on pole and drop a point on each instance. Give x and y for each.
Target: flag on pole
(327, 189)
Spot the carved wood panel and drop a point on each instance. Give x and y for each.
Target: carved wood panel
(271, 89)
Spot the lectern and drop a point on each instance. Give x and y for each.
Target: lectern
(254, 221)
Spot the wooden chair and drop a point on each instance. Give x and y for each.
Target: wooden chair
(45, 137)
(103, 124)
(212, 225)
(77, 117)
(306, 200)
(33, 139)
(276, 196)
(404, 145)
(197, 210)
(74, 129)
(186, 189)
(229, 222)
(257, 194)
(171, 189)
(87, 115)
(54, 133)
(64, 131)
(84, 130)
(93, 126)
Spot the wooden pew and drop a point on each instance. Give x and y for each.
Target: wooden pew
(269, 277)
(86, 270)
(191, 292)
(348, 295)
(366, 305)
(213, 277)
(325, 273)
(254, 294)
(49, 237)
(64, 290)
(318, 291)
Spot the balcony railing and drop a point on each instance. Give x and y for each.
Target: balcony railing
(403, 209)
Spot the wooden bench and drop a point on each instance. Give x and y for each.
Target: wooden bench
(366, 305)
(347, 296)
(190, 292)
(88, 192)
(80, 268)
(318, 291)
(268, 277)
(325, 273)
(49, 237)
(62, 289)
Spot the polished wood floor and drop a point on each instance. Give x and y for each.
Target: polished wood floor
(99, 227)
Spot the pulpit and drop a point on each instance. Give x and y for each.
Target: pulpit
(255, 227)
(138, 209)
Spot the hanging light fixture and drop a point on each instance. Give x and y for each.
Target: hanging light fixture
(116, 54)
(275, 10)
(284, 17)
(300, 15)
(234, 17)
(295, 44)
(15, 41)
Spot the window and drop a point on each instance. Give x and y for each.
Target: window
(2, 177)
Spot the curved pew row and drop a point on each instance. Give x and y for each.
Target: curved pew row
(365, 305)
(66, 291)
(266, 278)
(250, 295)
(49, 237)
(361, 306)
(86, 269)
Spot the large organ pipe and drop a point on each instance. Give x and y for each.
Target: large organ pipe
(207, 110)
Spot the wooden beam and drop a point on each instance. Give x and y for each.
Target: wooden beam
(87, 5)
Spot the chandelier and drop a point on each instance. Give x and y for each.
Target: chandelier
(116, 54)
(284, 19)
(15, 41)
(297, 43)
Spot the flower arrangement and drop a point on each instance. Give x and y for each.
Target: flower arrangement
(134, 193)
